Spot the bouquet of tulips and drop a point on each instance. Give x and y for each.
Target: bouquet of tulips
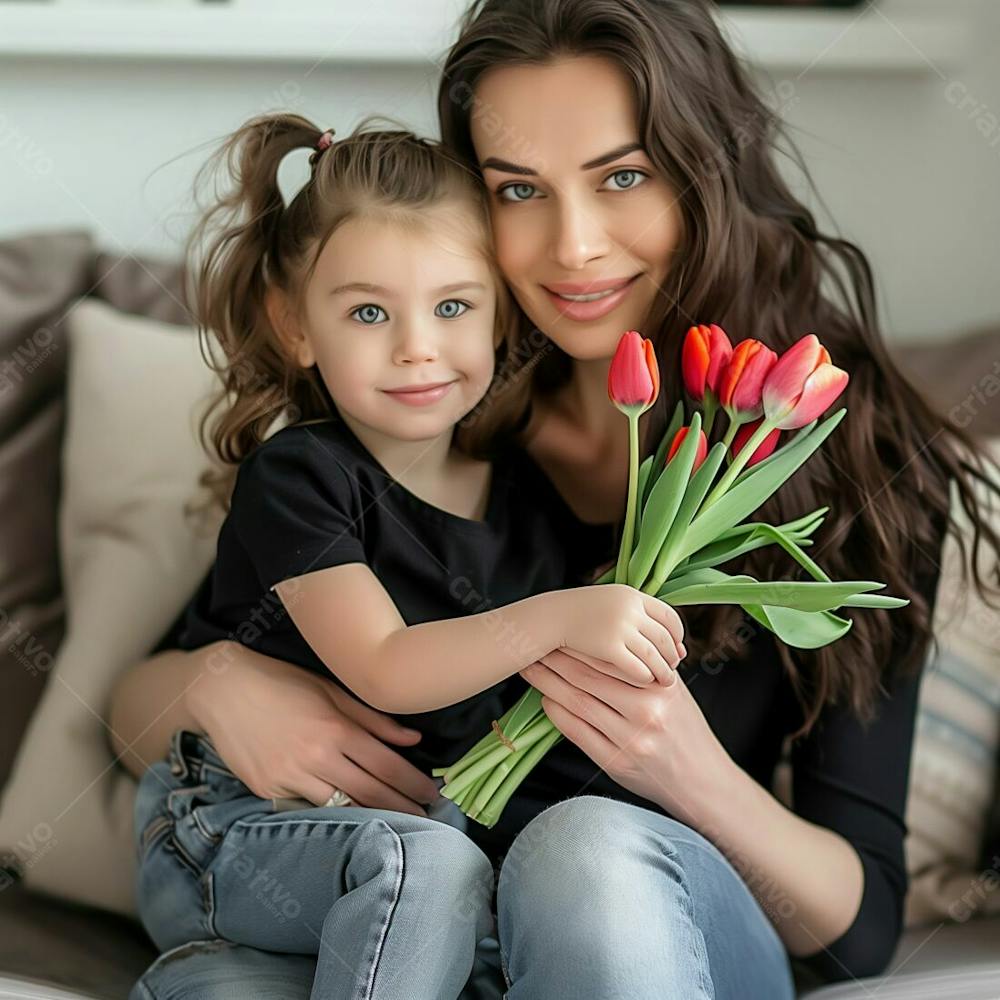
(685, 517)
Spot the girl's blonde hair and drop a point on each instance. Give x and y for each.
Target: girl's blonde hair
(248, 242)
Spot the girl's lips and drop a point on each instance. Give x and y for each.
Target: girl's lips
(421, 397)
(588, 311)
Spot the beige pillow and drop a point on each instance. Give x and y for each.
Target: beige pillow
(130, 561)
(953, 768)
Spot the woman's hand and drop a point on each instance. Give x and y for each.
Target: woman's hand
(653, 740)
(289, 733)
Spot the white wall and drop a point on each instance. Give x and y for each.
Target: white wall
(907, 171)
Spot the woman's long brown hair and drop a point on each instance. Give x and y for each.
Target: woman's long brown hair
(753, 261)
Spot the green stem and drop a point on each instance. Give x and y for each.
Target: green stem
(734, 425)
(744, 456)
(711, 408)
(625, 553)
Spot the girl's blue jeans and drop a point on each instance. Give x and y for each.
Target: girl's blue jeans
(595, 898)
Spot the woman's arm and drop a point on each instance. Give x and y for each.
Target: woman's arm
(352, 624)
(148, 703)
(285, 732)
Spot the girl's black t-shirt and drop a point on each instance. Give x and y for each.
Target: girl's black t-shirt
(312, 496)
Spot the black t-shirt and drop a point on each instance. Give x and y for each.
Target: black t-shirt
(312, 497)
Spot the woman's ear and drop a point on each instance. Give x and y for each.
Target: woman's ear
(287, 327)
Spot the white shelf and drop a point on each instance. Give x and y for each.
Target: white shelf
(404, 31)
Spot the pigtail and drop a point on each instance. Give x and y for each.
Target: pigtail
(237, 249)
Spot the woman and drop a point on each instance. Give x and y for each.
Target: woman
(627, 154)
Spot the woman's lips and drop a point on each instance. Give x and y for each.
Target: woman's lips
(596, 308)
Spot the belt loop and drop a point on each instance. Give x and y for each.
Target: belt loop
(178, 758)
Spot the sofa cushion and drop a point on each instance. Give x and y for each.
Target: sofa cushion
(41, 276)
(130, 560)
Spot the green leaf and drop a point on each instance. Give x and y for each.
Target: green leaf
(661, 508)
(798, 435)
(660, 457)
(697, 577)
(697, 489)
(743, 499)
(644, 468)
(801, 595)
(800, 629)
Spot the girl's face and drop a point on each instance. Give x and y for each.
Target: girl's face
(389, 310)
(577, 205)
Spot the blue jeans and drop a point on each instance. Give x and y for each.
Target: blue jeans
(595, 898)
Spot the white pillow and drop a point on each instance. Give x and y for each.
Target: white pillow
(130, 561)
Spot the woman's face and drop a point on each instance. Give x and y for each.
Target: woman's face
(577, 205)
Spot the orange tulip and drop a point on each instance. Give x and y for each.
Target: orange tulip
(704, 355)
(742, 381)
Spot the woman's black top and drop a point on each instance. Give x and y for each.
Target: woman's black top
(847, 777)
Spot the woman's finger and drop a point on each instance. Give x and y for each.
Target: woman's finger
(367, 790)
(380, 725)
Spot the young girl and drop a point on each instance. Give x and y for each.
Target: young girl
(360, 543)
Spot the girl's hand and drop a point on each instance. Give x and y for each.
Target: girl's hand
(288, 733)
(626, 634)
(652, 740)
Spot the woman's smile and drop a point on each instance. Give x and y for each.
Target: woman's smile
(587, 302)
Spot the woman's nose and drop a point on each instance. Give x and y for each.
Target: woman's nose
(579, 235)
(415, 344)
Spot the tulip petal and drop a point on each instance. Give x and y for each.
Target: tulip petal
(763, 450)
(654, 369)
(822, 387)
(695, 359)
(629, 380)
(720, 350)
(784, 382)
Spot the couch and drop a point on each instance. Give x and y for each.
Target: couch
(63, 936)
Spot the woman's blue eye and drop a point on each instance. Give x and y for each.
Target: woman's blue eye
(368, 314)
(521, 188)
(445, 312)
(629, 174)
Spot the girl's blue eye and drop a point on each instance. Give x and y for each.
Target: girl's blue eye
(629, 174)
(445, 312)
(368, 314)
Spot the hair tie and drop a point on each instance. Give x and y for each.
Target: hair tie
(293, 177)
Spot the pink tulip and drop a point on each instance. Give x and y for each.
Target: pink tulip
(765, 448)
(701, 452)
(705, 353)
(634, 376)
(742, 381)
(801, 385)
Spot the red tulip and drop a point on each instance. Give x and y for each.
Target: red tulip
(701, 452)
(765, 448)
(634, 376)
(743, 380)
(704, 355)
(801, 385)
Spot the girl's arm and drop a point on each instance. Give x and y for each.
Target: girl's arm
(352, 624)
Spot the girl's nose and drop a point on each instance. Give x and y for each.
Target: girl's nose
(415, 344)
(579, 235)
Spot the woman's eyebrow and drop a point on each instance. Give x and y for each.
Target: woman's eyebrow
(515, 168)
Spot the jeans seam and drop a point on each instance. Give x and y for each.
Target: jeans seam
(208, 901)
(396, 891)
